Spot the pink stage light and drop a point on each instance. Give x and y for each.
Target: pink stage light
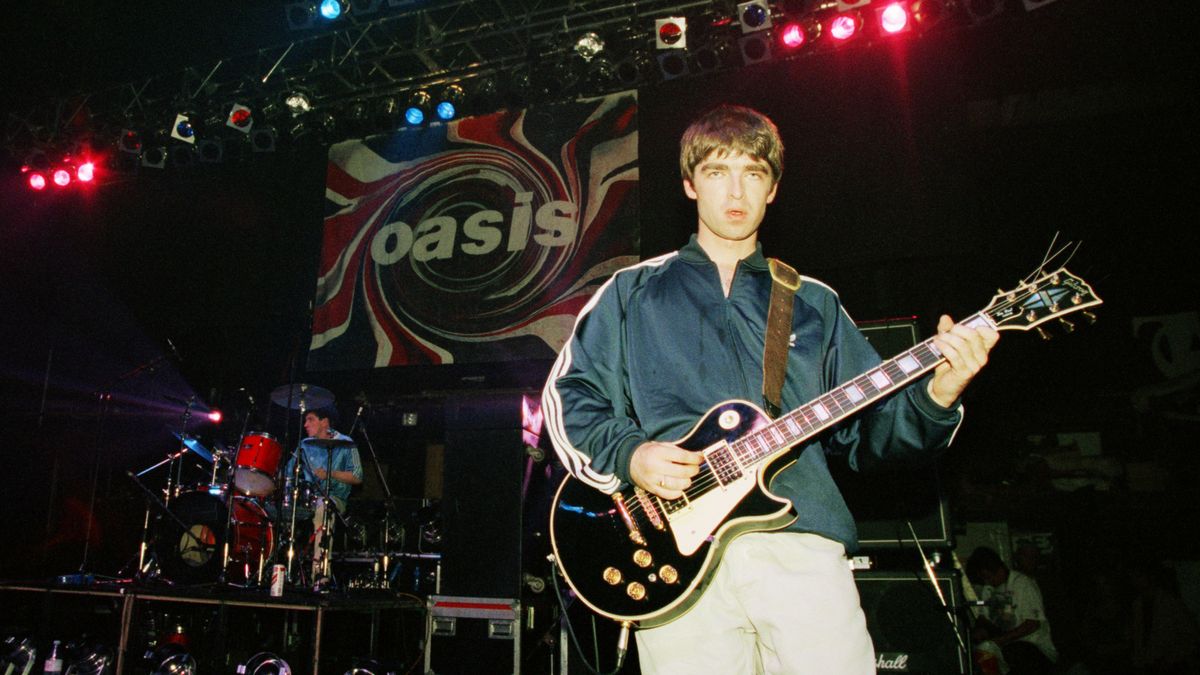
(843, 26)
(215, 416)
(86, 172)
(894, 18)
(793, 36)
(62, 177)
(37, 181)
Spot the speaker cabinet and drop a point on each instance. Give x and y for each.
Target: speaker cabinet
(886, 501)
(912, 631)
(481, 497)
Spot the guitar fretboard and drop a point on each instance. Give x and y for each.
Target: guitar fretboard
(731, 463)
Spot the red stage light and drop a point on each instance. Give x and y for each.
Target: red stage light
(62, 177)
(215, 416)
(793, 36)
(86, 172)
(844, 26)
(37, 181)
(893, 18)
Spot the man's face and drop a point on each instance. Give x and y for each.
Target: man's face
(731, 193)
(315, 427)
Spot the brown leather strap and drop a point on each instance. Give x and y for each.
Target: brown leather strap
(785, 282)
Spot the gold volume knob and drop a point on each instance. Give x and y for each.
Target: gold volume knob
(612, 576)
(635, 591)
(669, 574)
(642, 558)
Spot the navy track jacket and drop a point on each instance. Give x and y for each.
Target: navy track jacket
(659, 344)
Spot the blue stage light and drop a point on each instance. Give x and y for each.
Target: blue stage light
(414, 116)
(331, 9)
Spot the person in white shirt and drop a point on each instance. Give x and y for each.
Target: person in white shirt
(1014, 616)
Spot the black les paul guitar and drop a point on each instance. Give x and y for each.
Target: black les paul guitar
(635, 557)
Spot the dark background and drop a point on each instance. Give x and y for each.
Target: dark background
(921, 176)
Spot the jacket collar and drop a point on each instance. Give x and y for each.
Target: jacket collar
(692, 252)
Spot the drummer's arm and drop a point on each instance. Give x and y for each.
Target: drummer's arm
(343, 476)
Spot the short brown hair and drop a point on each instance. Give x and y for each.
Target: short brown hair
(730, 129)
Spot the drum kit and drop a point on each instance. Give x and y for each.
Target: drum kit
(242, 522)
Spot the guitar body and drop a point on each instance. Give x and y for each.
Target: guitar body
(629, 577)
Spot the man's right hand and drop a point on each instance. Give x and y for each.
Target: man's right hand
(664, 469)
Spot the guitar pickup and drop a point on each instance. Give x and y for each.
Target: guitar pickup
(635, 534)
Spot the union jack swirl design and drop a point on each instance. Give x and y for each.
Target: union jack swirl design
(474, 241)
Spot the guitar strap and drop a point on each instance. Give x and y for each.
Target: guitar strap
(784, 283)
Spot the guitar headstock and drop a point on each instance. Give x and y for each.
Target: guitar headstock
(1050, 296)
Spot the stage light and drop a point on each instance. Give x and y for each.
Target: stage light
(170, 658)
(130, 142)
(61, 177)
(300, 15)
(672, 64)
(85, 172)
(215, 416)
(20, 655)
(754, 16)
(37, 181)
(418, 106)
(600, 75)
(181, 156)
(632, 69)
(262, 139)
(793, 36)
(449, 102)
(670, 33)
(588, 46)
(155, 157)
(844, 6)
(844, 26)
(711, 56)
(755, 48)
(210, 150)
(264, 663)
(240, 117)
(182, 129)
(297, 103)
(333, 9)
(894, 18)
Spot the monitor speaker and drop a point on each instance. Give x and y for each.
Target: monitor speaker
(912, 630)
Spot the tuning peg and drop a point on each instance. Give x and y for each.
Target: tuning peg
(1066, 325)
(1043, 333)
(1089, 316)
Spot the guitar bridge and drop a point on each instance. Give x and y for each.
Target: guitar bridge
(635, 534)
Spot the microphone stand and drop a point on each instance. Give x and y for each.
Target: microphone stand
(389, 509)
(928, 567)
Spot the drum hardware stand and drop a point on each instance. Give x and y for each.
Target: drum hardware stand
(153, 500)
(298, 457)
(231, 488)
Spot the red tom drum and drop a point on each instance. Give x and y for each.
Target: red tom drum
(257, 462)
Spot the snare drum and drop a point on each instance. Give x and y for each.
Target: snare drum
(257, 461)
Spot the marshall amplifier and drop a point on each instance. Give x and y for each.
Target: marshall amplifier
(912, 630)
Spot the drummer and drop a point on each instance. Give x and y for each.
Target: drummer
(346, 473)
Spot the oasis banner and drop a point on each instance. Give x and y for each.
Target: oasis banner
(474, 241)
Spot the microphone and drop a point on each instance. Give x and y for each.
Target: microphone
(362, 403)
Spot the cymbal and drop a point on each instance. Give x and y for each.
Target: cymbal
(195, 446)
(328, 443)
(290, 396)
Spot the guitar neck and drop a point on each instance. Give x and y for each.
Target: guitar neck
(842, 401)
